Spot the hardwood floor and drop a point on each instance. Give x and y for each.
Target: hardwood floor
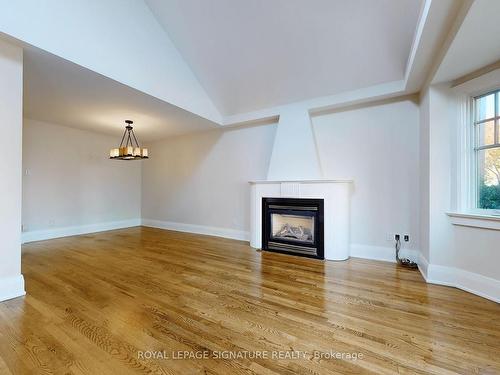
(104, 303)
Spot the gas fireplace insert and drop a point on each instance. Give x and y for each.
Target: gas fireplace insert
(293, 226)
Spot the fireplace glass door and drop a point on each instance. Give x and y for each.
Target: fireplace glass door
(297, 228)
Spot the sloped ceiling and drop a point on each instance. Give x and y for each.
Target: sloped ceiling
(476, 44)
(119, 39)
(58, 91)
(258, 55)
(250, 55)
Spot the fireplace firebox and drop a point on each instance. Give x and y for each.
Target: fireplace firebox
(293, 226)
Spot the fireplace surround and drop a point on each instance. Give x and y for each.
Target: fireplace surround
(335, 195)
(293, 226)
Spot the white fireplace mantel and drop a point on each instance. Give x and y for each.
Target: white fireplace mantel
(336, 196)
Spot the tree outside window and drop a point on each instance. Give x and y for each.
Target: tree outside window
(487, 149)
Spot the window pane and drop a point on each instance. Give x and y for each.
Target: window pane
(486, 133)
(489, 178)
(485, 107)
(498, 103)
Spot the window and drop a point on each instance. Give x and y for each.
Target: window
(486, 112)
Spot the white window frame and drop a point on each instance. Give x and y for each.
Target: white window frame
(477, 149)
(465, 206)
(466, 184)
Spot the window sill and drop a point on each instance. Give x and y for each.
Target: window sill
(475, 220)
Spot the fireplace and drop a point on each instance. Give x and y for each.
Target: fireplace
(293, 226)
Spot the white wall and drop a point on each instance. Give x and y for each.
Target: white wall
(469, 249)
(11, 109)
(474, 250)
(376, 146)
(202, 179)
(424, 185)
(441, 143)
(71, 183)
(120, 39)
(454, 255)
(294, 155)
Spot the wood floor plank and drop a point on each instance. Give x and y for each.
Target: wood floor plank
(96, 302)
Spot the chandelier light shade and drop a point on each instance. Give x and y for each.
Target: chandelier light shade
(129, 147)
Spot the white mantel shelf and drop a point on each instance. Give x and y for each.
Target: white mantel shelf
(336, 196)
(339, 181)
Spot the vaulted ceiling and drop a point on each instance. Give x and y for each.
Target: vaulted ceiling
(178, 66)
(250, 55)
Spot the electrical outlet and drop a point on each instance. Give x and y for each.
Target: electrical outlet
(407, 238)
(397, 237)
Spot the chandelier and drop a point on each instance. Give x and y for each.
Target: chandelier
(129, 147)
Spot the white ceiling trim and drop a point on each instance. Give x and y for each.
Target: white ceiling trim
(325, 103)
(418, 36)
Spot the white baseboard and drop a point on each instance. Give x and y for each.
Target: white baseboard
(40, 235)
(435, 274)
(11, 287)
(423, 266)
(387, 254)
(199, 229)
(474, 283)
